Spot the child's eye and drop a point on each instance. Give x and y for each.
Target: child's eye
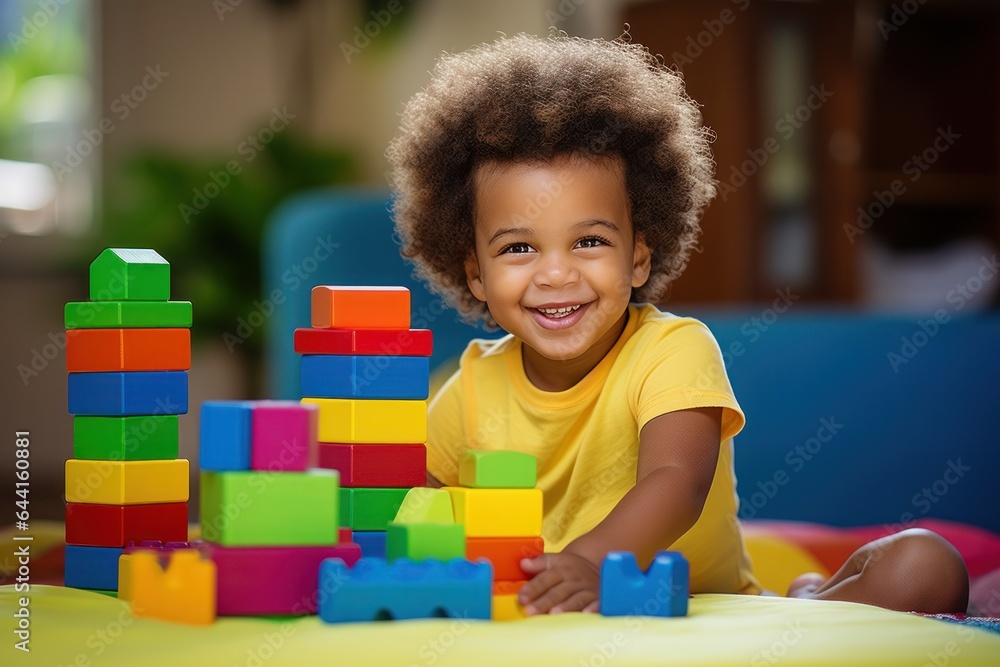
(516, 248)
(593, 242)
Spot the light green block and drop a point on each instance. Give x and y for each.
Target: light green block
(129, 274)
(142, 438)
(497, 470)
(265, 508)
(420, 541)
(128, 314)
(425, 505)
(369, 508)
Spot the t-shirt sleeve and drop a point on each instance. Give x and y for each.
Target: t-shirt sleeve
(445, 431)
(680, 368)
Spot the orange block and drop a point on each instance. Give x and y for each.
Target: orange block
(184, 592)
(505, 553)
(338, 307)
(99, 350)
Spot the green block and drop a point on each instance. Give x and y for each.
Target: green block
(425, 505)
(110, 594)
(419, 541)
(128, 314)
(143, 438)
(129, 274)
(243, 508)
(369, 509)
(497, 470)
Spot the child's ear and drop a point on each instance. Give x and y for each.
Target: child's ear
(641, 257)
(473, 277)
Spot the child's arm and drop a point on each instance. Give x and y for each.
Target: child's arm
(678, 455)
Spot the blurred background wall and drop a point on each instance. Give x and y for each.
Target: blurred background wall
(857, 152)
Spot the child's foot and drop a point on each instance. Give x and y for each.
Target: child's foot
(805, 585)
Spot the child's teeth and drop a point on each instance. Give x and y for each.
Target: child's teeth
(558, 312)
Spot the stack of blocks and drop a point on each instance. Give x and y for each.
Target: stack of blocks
(127, 353)
(501, 510)
(367, 373)
(266, 516)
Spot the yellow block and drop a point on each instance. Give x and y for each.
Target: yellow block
(371, 420)
(126, 482)
(507, 608)
(497, 512)
(183, 593)
(125, 577)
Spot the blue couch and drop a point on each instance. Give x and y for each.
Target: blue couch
(852, 419)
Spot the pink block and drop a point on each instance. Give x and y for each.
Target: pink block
(282, 434)
(260, 581)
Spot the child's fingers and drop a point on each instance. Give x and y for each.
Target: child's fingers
(535, 565)
(553, 597)
(593, 607)
(578, 601)
(537, 587)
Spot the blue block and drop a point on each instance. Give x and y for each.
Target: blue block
(92, 567)
(128, 393)
(661, 591)
(373, 590)
(372, 543)
(365, 376)
(224, 438)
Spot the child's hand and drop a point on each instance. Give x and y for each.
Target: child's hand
(562, 582)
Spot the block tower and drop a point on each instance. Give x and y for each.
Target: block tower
(501, 510)
(266, 516)
(128, 351)
(367, 373)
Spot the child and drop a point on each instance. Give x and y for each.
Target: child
(543, 184)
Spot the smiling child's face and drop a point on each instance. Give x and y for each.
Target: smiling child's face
(555, 260)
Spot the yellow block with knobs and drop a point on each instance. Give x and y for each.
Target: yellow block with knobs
(126, 482)
(497, 512)
(371, 420)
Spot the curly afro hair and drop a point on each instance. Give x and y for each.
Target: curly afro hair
(529, 99)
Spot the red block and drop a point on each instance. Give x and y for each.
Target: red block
(117, 525)
(259, 581)
(345, 535)
(505, 553)
(386, 342)
(368, 465)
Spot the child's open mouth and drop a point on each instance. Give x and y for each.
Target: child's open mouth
(558, 318)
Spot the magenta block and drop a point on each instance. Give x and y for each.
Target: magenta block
(264, 581)
(282, 434)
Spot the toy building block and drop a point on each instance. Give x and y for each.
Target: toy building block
(372, 542)
(126, 482)
(505, 604)
(282, 435)
(224, 437)
(505, 553)
(373, 590)
(92, 567)
(117, 525)
(127, 314)
(99, 350)
(333, 376)
(128, 393)
(369, 509)
(661, 591)
(261, 509)
(497, 512)
(370, 421)
(163, 550)
(392, 342)
(374, 465)
(418, 541)
(496, 470)
(342, 307)
(142, 438)
(345, 535)
(183, 592)
(425, 505)
(288, 577)
(129, 274)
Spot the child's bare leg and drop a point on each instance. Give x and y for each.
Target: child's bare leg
(914, 570)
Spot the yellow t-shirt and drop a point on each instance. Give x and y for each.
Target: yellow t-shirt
(586, 439)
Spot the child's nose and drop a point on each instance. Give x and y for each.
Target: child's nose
(555, 271)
